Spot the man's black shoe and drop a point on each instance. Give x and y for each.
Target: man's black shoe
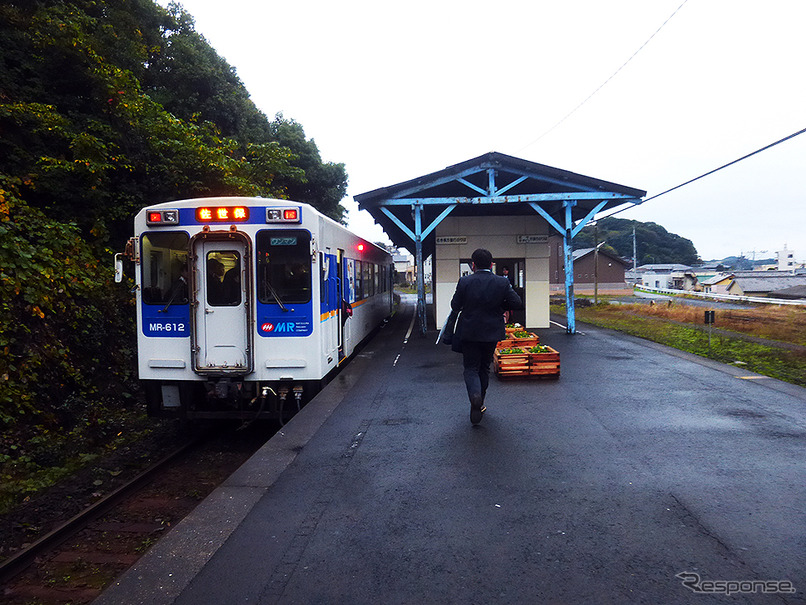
(476, 409)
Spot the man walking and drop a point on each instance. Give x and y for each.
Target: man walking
(482, 298)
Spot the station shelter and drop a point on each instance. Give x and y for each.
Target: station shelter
(505, 204)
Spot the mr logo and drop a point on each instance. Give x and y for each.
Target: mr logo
(283, 326)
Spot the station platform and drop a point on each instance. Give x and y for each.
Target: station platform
(638, 464)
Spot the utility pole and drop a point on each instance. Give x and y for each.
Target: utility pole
(634, 253)
(596, 273)
(754, 252)
(595, 263)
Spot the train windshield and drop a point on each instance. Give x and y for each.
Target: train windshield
(284, 266)
(165, 268)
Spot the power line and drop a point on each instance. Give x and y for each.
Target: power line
(710, 172)
(603, 84)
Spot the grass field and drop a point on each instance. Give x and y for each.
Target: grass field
(759, 339)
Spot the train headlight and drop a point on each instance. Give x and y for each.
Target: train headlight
(283, 215)
(162, 217)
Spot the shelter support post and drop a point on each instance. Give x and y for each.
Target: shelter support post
(568, 250)
(417, 236)
(568, 232)
(418, 245)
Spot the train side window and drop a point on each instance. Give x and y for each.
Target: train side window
(351, 294)
(284, 266)
(359, 281)
(324, 276)
(367, 279)
(165, 268)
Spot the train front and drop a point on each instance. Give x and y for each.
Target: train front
(223, 282)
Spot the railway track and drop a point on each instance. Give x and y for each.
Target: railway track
(75, 561)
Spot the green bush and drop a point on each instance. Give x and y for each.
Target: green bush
(66, 344)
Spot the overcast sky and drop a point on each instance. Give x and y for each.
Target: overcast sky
(395, 90)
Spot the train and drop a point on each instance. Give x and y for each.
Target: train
(246, 306)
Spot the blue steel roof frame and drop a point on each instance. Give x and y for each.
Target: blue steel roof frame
(395, 202)
(427, 200)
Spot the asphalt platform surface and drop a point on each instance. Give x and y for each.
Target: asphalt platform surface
(638, 464)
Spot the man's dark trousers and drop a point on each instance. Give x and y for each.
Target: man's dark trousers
(477, 358)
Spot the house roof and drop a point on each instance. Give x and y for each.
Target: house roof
(763, 274)
(718, 278)
(582, 252)
(794, 292)
(663, 268)
(769, 283)
(493, 184)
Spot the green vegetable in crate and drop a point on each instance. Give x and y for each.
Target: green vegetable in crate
(521, 334)
(540, 349)
(513, 351)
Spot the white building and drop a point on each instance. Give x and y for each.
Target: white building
(664, 275)
(786, 260)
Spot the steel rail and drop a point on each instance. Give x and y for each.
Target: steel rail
(20, 561)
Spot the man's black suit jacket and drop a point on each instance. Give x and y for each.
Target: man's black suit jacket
(482, 297)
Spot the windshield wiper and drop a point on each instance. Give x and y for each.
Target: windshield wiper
(274, 294)
(177, 287)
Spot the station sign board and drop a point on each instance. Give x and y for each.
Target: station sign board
(532, 239)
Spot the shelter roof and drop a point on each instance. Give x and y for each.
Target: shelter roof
(493, 184)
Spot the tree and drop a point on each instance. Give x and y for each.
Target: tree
(325, 184)
(193, 83)
(113, 105)
(654, 243)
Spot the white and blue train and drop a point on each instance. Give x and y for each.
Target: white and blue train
(245, 305)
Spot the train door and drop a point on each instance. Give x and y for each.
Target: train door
(341, 297)
(331, 305)
(221, 328)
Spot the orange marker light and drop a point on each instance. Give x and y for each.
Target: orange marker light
(360, 247)
(154, 217)
(290, 214)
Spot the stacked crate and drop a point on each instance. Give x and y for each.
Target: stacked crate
(520, 355)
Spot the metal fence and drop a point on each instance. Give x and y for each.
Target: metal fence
(722, 297)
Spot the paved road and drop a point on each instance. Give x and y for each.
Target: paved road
(638, 464)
